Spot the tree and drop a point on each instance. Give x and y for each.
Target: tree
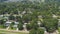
(26, 18)
(28, 26)
(11, 17)
(20, 26)
(50, 24)
(18, 18)
(2, 22)
(40, 31)
(33, 25)
(12, 24)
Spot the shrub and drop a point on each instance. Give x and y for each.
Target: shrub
(33, 31)
(40, 31)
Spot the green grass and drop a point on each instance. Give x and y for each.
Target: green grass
(59, 30)
(1, 26)
(9, 32)
(12, 29)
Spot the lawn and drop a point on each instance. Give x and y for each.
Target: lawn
(59, 30)
(3, 27)
(9, 32)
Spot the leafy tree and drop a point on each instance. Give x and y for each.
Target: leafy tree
(50, 24)
(40, 31)
(26, 18)
(18, 18)
(2, 22)
(28, 26)
(34, 25)
(20, 26)
(11, 17)
(12, 24)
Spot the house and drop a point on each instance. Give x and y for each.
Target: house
(8, 23)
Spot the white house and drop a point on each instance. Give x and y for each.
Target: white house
(7, 23)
